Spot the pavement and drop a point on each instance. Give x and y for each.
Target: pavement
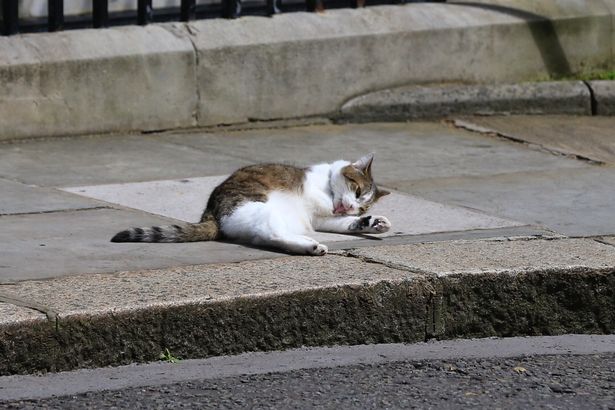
(502, 226)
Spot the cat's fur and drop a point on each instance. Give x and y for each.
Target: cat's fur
(277, 205)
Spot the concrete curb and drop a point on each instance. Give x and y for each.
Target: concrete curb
(370, 295)
(399, 104)
(294, 65)
(603, 97)
(95, 81)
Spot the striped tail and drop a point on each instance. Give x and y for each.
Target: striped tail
(207, 230)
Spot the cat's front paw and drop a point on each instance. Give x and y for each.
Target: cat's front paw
(380, 224)
(318, 249)
(371, 224)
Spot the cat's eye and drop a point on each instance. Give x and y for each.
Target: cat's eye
(358, 192)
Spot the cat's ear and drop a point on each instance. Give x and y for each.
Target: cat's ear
(381, 192)
(364, 164)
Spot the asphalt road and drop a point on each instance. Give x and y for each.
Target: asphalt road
(566, 372)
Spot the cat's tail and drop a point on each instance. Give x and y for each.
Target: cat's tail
(206, 230)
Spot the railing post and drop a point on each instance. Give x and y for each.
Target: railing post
(231, 9)
(145, 12)
(10, 17)
(273, 7)
(55, 15)
(100, 13)
(356, 4)
(188, 10)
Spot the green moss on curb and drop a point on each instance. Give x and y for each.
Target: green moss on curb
(589, 75)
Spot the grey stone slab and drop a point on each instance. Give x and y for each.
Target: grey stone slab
(11, 314)
(40, 246)
(181, 199)
(608, 239)
(412, 102)
(569, 201)
(495, 256)
(347, 53)
(107, 159)
(403, 151)
(185, 200)
(93, 294)
(604, 95)
(74, 82)
(587, 136)
(16, 198)
(514, 233)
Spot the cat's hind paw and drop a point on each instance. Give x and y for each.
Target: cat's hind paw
(319, 250)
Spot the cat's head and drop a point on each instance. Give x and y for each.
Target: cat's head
(353, 187)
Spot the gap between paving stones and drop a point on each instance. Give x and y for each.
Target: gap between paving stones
(57, 211)
(377, 303)
(593, 102)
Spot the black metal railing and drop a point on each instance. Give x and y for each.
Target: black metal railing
(145, 13)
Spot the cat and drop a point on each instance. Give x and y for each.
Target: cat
(275, 205)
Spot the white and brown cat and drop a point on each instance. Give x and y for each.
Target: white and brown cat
(278, 205)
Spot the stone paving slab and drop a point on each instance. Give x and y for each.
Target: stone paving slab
(104, 293)
(589, 137)
(42, 246)
(11, 314)
(494, 256)
(18, 198)
(608, 239)
(107, 159)
(569, 201)
(402, 151)
(185, 200)
(515, 232)
(181, 199)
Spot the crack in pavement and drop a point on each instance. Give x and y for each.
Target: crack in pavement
(57, 211)
(348, 253)
(469, 126)
(15, 300)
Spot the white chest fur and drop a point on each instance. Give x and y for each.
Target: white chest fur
(316, 191)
